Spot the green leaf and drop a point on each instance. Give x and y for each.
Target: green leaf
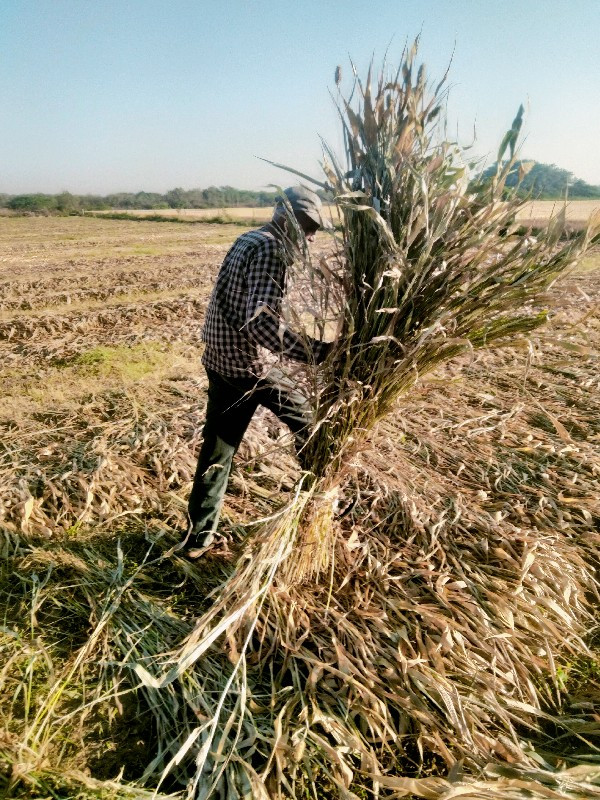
(511, 136)
(325, 186)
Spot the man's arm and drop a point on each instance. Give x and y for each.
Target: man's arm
(264, 324)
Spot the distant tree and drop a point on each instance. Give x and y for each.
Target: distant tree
(150, 200)
(265, 198)
(195, 199)
(67, 202)
(582, 189)
(121, 200)
(543, 181)
(32, 202)
(212, 197)
(176, 198)
(92, 202)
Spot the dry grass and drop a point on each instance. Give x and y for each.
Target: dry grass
(431, 632)
(538, 212)
(257, 215)
(254, 216)
(579, 212)
(476, 508)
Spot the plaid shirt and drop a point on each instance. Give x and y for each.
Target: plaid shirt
(244, 311)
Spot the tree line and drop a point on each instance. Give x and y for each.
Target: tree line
(531, 178)
(65, 202)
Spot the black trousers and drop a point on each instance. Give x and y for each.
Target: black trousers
(231, 405)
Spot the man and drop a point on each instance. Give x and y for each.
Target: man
(244, 313)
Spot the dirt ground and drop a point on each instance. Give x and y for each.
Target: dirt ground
(536, 213)
(100, 324)
(94, 309)
(101, 408)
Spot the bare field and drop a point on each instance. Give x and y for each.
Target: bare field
(101, 407)
(538, 212)
(248, 214)
(578, 211)
(91, 306)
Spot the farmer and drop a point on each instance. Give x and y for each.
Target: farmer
(244, 313)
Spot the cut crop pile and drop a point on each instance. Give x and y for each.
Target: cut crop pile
(418, 619)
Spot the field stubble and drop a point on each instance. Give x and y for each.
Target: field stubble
(102, 403)
(538, 212)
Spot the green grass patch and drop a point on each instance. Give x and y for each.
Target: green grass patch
(95, 371)
(131, 363)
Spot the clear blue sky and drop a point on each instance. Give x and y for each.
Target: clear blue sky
(123, 95)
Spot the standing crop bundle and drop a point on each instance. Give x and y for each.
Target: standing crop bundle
(431, 268)
(325, 637)
(431, 265)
